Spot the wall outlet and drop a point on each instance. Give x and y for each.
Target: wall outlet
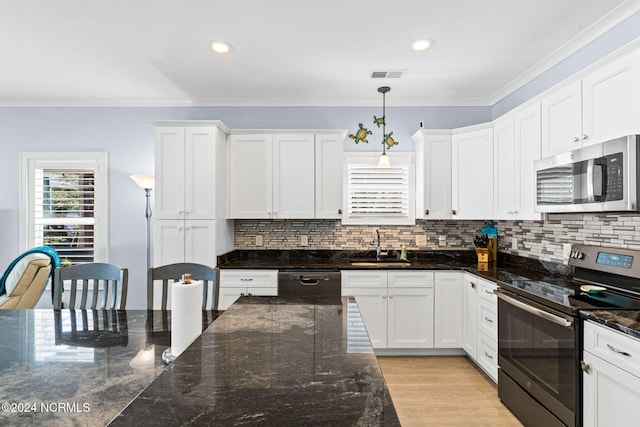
(258, 240)
(304, 240)
(421, 240)
(514, 243)
(442, 240)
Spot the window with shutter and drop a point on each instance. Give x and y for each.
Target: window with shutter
(379, 196)
(64, 197)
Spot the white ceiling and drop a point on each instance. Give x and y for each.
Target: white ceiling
(286, 52)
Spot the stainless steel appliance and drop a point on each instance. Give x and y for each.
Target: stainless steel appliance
(599, 178)
(540, 333)
(309, 282)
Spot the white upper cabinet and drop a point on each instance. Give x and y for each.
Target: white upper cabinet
(329, 158)
(293, 176)
(506, 171)
(185, 171)
(433, 174)
(517, 146)
(285, 175)
(472, 174)
(562, 120)
(527, 132)
(250, 176)
(611, 106)
(599, 107)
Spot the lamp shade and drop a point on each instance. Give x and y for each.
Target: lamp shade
(144, 181)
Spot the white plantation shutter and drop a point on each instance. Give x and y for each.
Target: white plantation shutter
(64, 197)
(64, 215)
(379, 196)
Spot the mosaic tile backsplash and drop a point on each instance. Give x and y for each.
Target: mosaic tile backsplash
(541, 240)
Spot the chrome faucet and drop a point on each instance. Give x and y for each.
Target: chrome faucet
(375, 240)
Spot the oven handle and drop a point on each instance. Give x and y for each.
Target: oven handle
(567, 323)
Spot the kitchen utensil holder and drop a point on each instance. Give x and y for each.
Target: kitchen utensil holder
(490, 253)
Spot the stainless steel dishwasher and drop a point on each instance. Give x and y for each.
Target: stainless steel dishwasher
(309, 282)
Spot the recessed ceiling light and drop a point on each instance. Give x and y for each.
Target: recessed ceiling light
(420, 45)
(219, 47)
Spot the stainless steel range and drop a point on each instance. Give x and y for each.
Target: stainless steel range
(540, 333)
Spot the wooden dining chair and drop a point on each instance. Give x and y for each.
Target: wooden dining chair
(166, 274)
(107, 281)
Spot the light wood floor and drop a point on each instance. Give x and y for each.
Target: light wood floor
(443, 391)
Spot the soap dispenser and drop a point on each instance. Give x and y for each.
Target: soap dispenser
(403, 253)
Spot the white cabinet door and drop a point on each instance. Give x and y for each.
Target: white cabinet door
(610, 106)
(293, 176)
(506, 170)
(200, 241)
(227, 296)
(329, 161)
(562, 120)
(168, 241)
(169, 172)
(527, 130)
(250, 176)
(472, 175)
(433, 174)
(410, 318)
(487, 319)
(200, 173)
(372, 303)
(448, 310)
(469, 308)
(611, 396)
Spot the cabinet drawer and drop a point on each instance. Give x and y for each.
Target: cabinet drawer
(248, 278)
(488, 355)
(485, 290)
(620, 349)
(488, 319)
(363, 279)
(410, 279)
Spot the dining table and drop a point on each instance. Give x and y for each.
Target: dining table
(300, 361)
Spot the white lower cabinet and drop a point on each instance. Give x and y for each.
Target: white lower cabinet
(448, 309)
(611, 377)
(396, 306)
(236, 283)
(480, 323)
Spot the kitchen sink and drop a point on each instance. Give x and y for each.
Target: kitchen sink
(381, 263)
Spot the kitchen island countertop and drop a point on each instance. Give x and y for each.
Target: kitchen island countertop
(272, 361)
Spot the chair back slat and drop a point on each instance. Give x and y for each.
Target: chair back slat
(167, 274)
(97, 278)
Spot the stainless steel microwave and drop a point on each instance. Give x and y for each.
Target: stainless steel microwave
(597, 178)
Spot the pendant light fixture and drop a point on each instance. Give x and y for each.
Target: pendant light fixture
(387, 139)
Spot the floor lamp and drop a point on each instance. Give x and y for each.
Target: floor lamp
(146, 182)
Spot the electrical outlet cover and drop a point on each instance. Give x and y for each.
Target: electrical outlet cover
(258, 240)
(421, 240)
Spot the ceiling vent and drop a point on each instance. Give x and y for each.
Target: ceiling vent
(387, 74)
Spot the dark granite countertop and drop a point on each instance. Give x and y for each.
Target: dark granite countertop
(286, 361)
(465, 260)
(78, 367)
(626, 321)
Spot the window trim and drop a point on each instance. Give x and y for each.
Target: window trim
(89, 160)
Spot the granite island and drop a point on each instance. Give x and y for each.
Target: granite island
(285, 361)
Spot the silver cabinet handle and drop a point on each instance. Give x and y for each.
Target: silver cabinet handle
(576, 139)
(384, 297)
(473, 285)
(242, 279)
(488, 355)
(488, 320)
(488, 292)
(454, 212)
(426, 212)
(585, 136)
(615, 350)
(390, 296)
(562, 321)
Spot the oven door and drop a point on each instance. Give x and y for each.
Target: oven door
(538, 350)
